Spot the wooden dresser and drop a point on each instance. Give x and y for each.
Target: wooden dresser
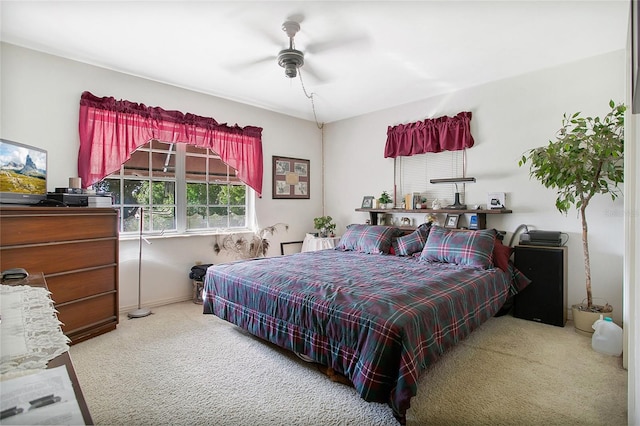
(77, 250)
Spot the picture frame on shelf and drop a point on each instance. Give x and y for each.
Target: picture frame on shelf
(495, 200)
(452, 221)
(291, 178)
(473, 221)
(367, 202)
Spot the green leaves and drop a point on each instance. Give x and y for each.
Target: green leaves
(324, 222)
(522, 161)
(385, 198)
(585, 159)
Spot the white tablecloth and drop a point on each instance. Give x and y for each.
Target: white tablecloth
(312, 243)
(30, 332)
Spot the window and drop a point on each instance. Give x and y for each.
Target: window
(412, 174)
(215, 196)
(179, 188)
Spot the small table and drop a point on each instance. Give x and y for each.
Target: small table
(37, 280)
(313, 243)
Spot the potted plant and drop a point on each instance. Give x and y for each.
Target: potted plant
(325, 226)
(585, 159)
(385, 200)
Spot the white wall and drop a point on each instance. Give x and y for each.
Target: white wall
(39, 106)
(40, 102)
(40, 95)
(509, 117)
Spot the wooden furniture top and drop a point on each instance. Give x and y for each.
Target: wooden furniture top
(33, 280)
(37, 280)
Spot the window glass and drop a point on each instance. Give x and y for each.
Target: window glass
(150, 184)
(214, 197)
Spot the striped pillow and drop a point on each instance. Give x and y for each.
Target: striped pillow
(465, 248)
(412, 243)
(373, 239)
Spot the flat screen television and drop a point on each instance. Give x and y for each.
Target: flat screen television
(23, 173)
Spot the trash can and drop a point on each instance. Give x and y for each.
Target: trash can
(198, 286)
(197, 274)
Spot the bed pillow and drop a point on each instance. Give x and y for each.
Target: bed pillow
(501, 255)
(412, 243)
(465, 248)
(373, 239)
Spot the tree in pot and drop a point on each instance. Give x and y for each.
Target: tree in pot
(585, 159)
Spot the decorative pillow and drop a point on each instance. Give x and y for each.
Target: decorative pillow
(412, 243)
(371, 239)
(465, 248)
(501, 255)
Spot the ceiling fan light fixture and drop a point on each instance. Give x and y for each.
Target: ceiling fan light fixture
(290, 60)
(290, 70)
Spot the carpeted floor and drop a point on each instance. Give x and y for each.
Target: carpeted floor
(180, 367)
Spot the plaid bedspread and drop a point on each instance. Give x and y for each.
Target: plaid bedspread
(380, 320)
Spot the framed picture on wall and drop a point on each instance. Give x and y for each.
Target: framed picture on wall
(452, 221)
(291, 178)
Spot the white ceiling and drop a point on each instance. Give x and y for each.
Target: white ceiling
(376, 55)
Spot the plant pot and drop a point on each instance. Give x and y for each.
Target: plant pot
(583, 320)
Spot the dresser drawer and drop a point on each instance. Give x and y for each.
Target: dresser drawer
(78, 285)
(25, 228)
(60, 257)
(86, 313)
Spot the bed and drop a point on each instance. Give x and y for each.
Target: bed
(379, 308)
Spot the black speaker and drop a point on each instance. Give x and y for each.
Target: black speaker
(545, 299)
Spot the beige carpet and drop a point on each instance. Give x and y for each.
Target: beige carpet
(179, 366)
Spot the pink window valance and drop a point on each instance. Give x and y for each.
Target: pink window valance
(111, 130)
(430, 135)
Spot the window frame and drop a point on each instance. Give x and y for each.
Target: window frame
(180, 182)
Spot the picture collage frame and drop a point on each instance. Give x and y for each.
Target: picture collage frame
(291, 178)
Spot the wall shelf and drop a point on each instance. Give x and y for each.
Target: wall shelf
(482, 214)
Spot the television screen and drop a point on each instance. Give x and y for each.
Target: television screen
(23, 173)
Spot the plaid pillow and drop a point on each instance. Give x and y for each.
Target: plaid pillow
(465, 248)
(371, 239)
(412, 243)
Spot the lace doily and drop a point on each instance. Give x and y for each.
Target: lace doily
(30, 333)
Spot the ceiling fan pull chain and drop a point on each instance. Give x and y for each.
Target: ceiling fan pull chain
(310, 96)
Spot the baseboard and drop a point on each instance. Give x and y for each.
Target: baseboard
(126, 309)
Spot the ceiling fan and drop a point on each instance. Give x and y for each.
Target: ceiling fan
(291, 59)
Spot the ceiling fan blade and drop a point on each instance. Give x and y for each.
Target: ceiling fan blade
(244, 65)
(308, 70)
(297, 17)
(360, 41)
